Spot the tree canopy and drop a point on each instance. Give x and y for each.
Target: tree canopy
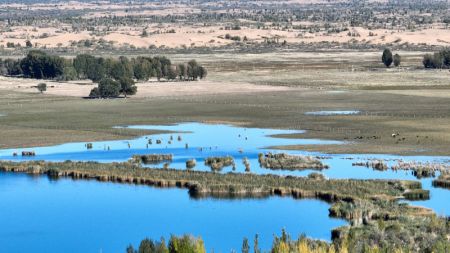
(40, 65)
(387, 57)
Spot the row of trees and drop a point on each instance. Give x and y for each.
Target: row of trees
(438, 60)
(114, 76)
(388, 58)
(140, 68)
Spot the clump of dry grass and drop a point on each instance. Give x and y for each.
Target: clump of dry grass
(191, 163)
(442, 181)
(218, 163)
(376, 165)
(246, 163)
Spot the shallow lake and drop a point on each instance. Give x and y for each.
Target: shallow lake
(330, 113)
(41, 215)
(138, 211)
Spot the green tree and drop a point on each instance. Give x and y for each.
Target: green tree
(69, 73)
(146, 246)
(192, 70)
(109, 88)
(127, 86)
(39, 65)
(202, 72)
(28, 44)
(397, 60)
(96, 70)
(81, 63)
(142, 69)
(182, 71)
(42, 87)
(186, 244)
(387, 57)
(245, 246)
(172, 73)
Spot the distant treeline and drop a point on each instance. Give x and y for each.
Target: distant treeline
(114, 76)
(39, 65)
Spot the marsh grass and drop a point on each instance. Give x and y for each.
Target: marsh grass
(151, 158)
(218, 163)
(285, 161)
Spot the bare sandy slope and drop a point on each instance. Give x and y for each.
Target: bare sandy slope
(147, 89)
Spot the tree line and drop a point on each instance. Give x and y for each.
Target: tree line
(114, 76)
(438, 60)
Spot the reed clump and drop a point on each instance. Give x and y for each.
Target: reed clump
(376, 165)
(299, 187)
(152, 158)
(191, 163)
(316, 176)
(442, 181)
(246, 163)
(218, 163)
(285, 161)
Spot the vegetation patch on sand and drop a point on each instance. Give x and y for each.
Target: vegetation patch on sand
(283, 161)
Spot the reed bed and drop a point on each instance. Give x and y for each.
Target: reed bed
(204, 183)
(376, 165)
(442, 181)
(285, 161)
(419, 169)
